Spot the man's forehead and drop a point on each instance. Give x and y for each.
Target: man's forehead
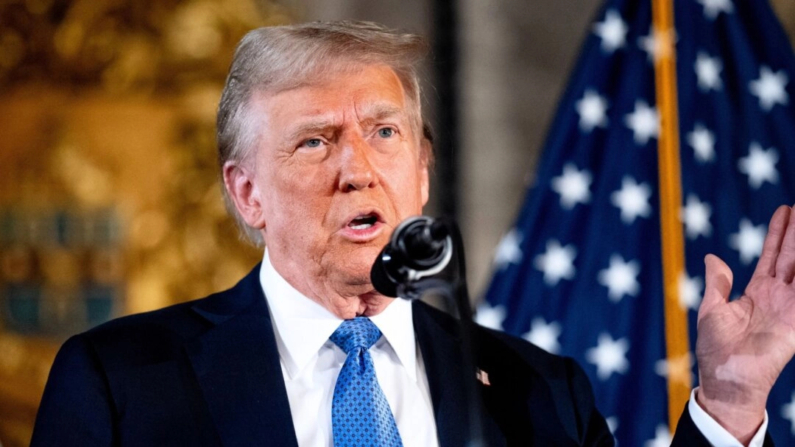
(362, 110)
(371, 93)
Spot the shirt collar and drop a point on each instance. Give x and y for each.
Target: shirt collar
(302, 325)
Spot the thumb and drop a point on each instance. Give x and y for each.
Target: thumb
(719, 280)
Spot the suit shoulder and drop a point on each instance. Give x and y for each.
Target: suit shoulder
(187, 319)
(160, 335)
(567, 384)
(544, 362)
(536, 379)
(548, 365)
(139, 339)
(168, 319)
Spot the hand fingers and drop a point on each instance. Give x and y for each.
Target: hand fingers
(772, 247)
(719, 280)
(785, 264)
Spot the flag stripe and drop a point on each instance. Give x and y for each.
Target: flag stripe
(673, 251)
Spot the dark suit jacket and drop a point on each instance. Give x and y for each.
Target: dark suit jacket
(207, 373)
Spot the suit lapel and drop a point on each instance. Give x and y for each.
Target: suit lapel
(440, 346)
(236, 363)
(237, 366)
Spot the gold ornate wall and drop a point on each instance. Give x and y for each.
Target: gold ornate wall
(109, 199)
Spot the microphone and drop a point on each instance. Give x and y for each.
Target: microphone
(419, 247)
(413, 262)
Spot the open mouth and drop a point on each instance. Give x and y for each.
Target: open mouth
(363, 221)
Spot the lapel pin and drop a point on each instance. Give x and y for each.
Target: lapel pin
(483, 377)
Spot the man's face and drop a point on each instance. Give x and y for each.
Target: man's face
(338, 166)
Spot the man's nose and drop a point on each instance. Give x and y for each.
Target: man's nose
(356, 170)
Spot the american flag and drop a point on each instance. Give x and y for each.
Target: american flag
(580, 273)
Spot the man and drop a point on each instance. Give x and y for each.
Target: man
(322, 154)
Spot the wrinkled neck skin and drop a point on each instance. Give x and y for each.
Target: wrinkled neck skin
(346, 298)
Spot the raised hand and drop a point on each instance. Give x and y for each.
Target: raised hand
(743, 345)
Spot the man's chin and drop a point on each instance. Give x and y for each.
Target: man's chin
(373, 303)
(358, 262)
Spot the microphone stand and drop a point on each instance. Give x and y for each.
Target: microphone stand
(456, 292)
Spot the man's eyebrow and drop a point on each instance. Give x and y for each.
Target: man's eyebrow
(315, 126)
(321, 125)
(377, 112)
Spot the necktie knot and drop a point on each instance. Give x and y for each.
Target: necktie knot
(359, 332)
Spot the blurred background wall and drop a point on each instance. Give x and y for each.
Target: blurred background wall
(109, 201)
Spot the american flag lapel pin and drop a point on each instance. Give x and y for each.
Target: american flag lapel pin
(483, 377)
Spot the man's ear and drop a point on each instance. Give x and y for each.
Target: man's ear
(245, 194)
(426, 158)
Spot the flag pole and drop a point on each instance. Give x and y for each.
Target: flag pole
(673, 250)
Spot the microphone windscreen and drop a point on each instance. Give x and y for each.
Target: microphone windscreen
(382, 283)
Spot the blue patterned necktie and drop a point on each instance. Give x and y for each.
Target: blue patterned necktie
(360, 414)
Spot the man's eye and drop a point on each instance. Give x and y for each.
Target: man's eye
(313, 142)
(386, 132)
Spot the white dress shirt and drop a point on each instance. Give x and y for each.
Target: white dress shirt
(311, 362)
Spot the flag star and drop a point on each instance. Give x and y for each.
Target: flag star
(703, 143)
(748, 241)
(678, 369)
(658, 44)
(620, 278)
(573, 186)
(490, 316)
(612, 424)
(770, 88)
(557, 262)
(690, 291)
(632, 199)
(609, 356)
(612, 31)
(662, 437)
(788, 413)
(592, 109)
(714, 7)
(544, 335)
(644, 122)
(708, 72)
(695, 215)
(759, 165)
(509, 250)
